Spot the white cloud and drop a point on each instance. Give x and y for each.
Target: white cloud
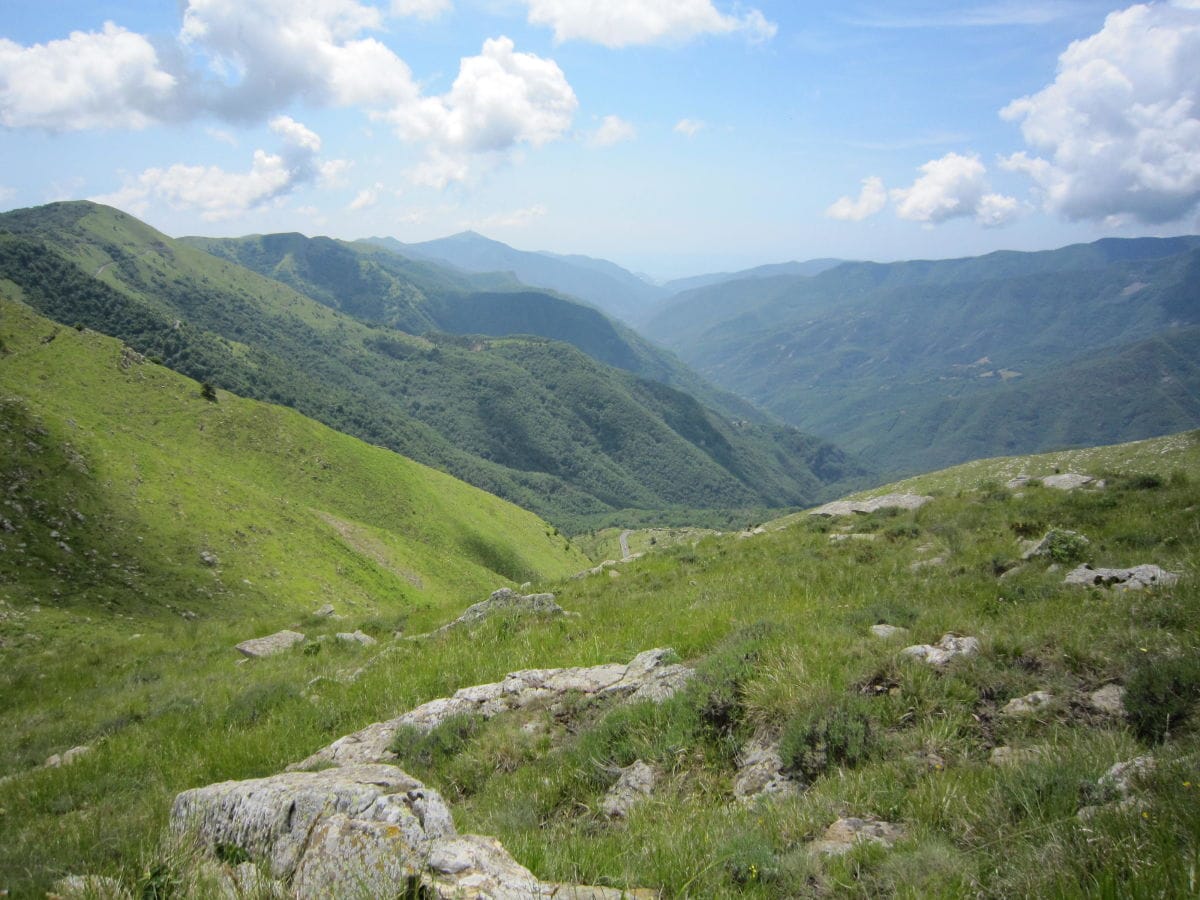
(219, 194)
(499, 100)
(612, 130)
(1118, 131)
(689, 127)
(620, 23)
(514, 219)
(871, 199)
(954, 186)
(421, 9)
(106, 79)
(367, 197)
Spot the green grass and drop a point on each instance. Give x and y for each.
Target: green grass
(776, 625)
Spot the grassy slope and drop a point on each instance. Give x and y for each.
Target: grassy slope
(556, 455)
(778, 625)
(124, 463)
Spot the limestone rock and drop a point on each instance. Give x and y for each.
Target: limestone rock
(208, 558)
(278, 642)
(636, 783)
(646, 677)
(1134, 579)
(949, 647)
(506, 600)
(67, 757)
(760, 770)
(887, 501)
(842, 835)
(89, 887)
(885, 632)
(1029, 705)
(1117, 787)
(323, 612)
(1108, 700)
(1068, 481)
(356, 637)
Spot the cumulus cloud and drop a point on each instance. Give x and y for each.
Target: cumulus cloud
(106, 79)
(367, 197)
(612, 130)
(421, 9)
(689, 127)
(514, 219)
(620, 23)
(871, 200)
(499, 100)
(954, 186)
(1117, 134)
(219, 194)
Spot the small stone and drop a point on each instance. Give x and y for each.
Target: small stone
(635, 784)
(885, 632)
(949, 647)
(208, 558)
(1029, 705)
(323, 612)
(842, 835)
(356, 637)
(760, 770)
(1108, 700)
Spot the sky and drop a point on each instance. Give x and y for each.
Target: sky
(674, 137)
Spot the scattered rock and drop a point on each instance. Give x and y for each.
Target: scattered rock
(506, 600)
(1012, 756)
(208, 558)
(842, 835)
(949, 647)
(646, 677)
(89, 887)
(270, 645)
(1029, 705)
(927, 563)
(1117, 787)
(356, 637)
(885, 632)
(887, 501)
(930, 760)
(636, 783)
(760, 770)
(1068, 481)
(323, 612)
(67, 757)
(1134, 579)
(1056, 537)
(1017, 483)
(854, 536)
(1108, 700)
(596, 570)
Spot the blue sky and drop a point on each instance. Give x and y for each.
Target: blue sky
(672, 136)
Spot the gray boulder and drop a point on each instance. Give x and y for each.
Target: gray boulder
(1108, 700)
(1134, 579)
(358, 636)
(862, 507)
(256, 648)
(1029, 705)
(635, 784)
(1068, 481)
(760, 770)
(842, 835)
(950, 647)
(506, 600)
(885, 632)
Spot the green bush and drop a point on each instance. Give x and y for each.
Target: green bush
(1161, 693)
(817, 740)
(1065, 547)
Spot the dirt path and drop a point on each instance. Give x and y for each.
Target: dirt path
(625, 544)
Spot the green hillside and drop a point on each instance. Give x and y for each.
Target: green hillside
(776, 626)
(532, 420)
(912, 364)
(377, 285)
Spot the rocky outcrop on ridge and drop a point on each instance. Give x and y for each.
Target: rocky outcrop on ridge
(862, 507)
(505, 600)
(646, 677)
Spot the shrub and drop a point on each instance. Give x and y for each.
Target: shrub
(1161, 693)
(1066, 547)
(817, 740)
(417, 748)
(208, 392)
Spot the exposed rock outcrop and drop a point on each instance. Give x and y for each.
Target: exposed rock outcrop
(1117, 788)
(358, 636)
(67, 757)
(1134, 579)
(1108, 700)
(256, 648)
(842, 835)
(951, 646)
(647, 677)
(505, 600)
(887, 501)
(760, 770)
(635, 784)
(1067, 481)
(1029, 705)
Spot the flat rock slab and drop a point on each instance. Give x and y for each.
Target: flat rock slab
(1067, 481)
(1134, 579)
(885, 632)
(862, 507)
(256, 648)
(67, 757)
(646, 677)
(950, 647)
(842, 835)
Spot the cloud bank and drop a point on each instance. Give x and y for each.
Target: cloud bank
(621, 23)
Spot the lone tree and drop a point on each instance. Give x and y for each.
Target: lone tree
(208, 392)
